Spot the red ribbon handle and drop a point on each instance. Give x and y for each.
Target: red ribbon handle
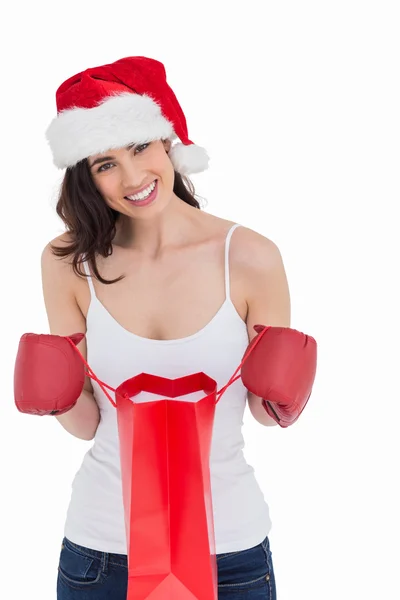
(234, 377)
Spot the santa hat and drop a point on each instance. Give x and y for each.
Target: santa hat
(128, 101)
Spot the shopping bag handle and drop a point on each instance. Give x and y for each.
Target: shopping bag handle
(169, 388)
(234, 377)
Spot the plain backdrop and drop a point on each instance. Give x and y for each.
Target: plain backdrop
(297, 104)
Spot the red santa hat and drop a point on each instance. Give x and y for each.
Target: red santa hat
(128, 101)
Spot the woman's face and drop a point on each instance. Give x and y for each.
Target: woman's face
(131, 170)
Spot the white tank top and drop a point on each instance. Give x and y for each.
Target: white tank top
(95, 516)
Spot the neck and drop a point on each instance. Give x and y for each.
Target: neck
(152, 236)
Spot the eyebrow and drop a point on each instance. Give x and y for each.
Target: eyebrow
(105, 158)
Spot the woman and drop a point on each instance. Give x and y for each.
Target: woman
(161, 287)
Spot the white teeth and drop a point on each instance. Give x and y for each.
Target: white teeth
(143, 194)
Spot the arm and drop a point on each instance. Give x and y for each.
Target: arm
(65, 318)
(268, 298)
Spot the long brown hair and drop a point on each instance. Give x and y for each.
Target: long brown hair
(90, 222)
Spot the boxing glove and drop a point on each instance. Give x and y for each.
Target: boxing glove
(49, 374)
(281, 369)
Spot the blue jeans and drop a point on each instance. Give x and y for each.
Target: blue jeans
(85, 574)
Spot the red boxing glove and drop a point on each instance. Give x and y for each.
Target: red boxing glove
(49, 374)
(281, 370)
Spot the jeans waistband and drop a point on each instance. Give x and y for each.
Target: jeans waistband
(121, 559)
(105, 557)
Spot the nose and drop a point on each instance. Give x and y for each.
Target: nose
(133, 179)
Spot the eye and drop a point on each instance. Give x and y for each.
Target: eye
(100, 169)
(143, 146)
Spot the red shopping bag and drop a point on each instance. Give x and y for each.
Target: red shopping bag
(165, 451)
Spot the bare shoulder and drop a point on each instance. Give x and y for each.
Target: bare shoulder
(57, 271)
(54, 265)
(262, 274)
(253, 252)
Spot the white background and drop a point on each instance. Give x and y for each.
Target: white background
(297, 104)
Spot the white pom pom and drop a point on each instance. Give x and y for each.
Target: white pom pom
(188, 159)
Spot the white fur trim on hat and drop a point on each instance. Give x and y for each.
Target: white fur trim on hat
(188, 158)
(122, 119)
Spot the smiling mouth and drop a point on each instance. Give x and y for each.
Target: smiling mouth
(147, 197)
(143, 195)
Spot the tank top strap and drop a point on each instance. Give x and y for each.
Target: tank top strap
(227, 274)
(90, 282)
